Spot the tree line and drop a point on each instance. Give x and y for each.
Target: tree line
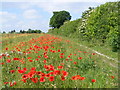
(24, 31)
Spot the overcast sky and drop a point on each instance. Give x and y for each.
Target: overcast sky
(35, 14)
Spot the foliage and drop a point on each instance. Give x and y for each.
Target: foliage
(98, 25)
(102, 24)
(59, 18)
(30, 31)
(12, 31)
(4, 32)
(69, 29)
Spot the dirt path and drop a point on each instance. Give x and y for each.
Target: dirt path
(104, 56)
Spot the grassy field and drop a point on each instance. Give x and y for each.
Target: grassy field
(48, 61)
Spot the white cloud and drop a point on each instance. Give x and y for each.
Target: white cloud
(31, 14)
(33, 24)
(25, 6)
(51, 6)
(6, 16)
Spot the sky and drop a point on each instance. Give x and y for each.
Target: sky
(35, 14)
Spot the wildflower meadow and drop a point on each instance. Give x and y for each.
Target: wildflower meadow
(49, 61)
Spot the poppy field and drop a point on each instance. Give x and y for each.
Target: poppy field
(48, 61)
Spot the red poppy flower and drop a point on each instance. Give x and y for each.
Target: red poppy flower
(8, 61)
(12, 71)
(69, 56)
(36, 52)
(75, 62)
(62, 78)
(81, 78)
(38, 73)
(25, 76)
(1, 63)
(80, 51)
(93, 80)
(112, 77)
(51, 78)
(14, 83)
(6, 82)
(45, 56)
(11, 84)
(39, 56)
(8, 56)
(33, 68)
(21, 71)
(29, 58)
(45, 66)
(19, 68)
(30, 75)
(52, 47)
(60, 67)
(61, 56)
(53, 51)
(6, 48)
(93, 53)
(59, 50)
(66, 59)
(36, 59)
(43, 74)
(74, 78)
(25, 69)
(75, 54)
(51, 73)
(24, 80)
(79, 58)
(16, 59)
(56, 72)
(62, 63)
(61, 53)
(35, 80)
(64, 73)
(47, 75)
(0, 57)
(42, 79)
(45, 61)
(3, 54)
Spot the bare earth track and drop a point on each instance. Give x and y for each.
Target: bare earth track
(111, 64)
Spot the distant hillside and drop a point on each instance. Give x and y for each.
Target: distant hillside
(98, 25)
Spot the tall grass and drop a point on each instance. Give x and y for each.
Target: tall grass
(47, 61)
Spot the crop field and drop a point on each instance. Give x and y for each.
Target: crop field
(48, 61)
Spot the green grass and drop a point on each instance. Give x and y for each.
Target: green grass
(104, 49)
(90, 66)
(10, 40)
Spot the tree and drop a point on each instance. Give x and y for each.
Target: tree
(4, 32)
(12, 31)
(59, 18)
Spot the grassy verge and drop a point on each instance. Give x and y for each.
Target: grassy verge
(106, 50)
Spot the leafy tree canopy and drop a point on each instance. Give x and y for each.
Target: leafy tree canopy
(59, 18)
